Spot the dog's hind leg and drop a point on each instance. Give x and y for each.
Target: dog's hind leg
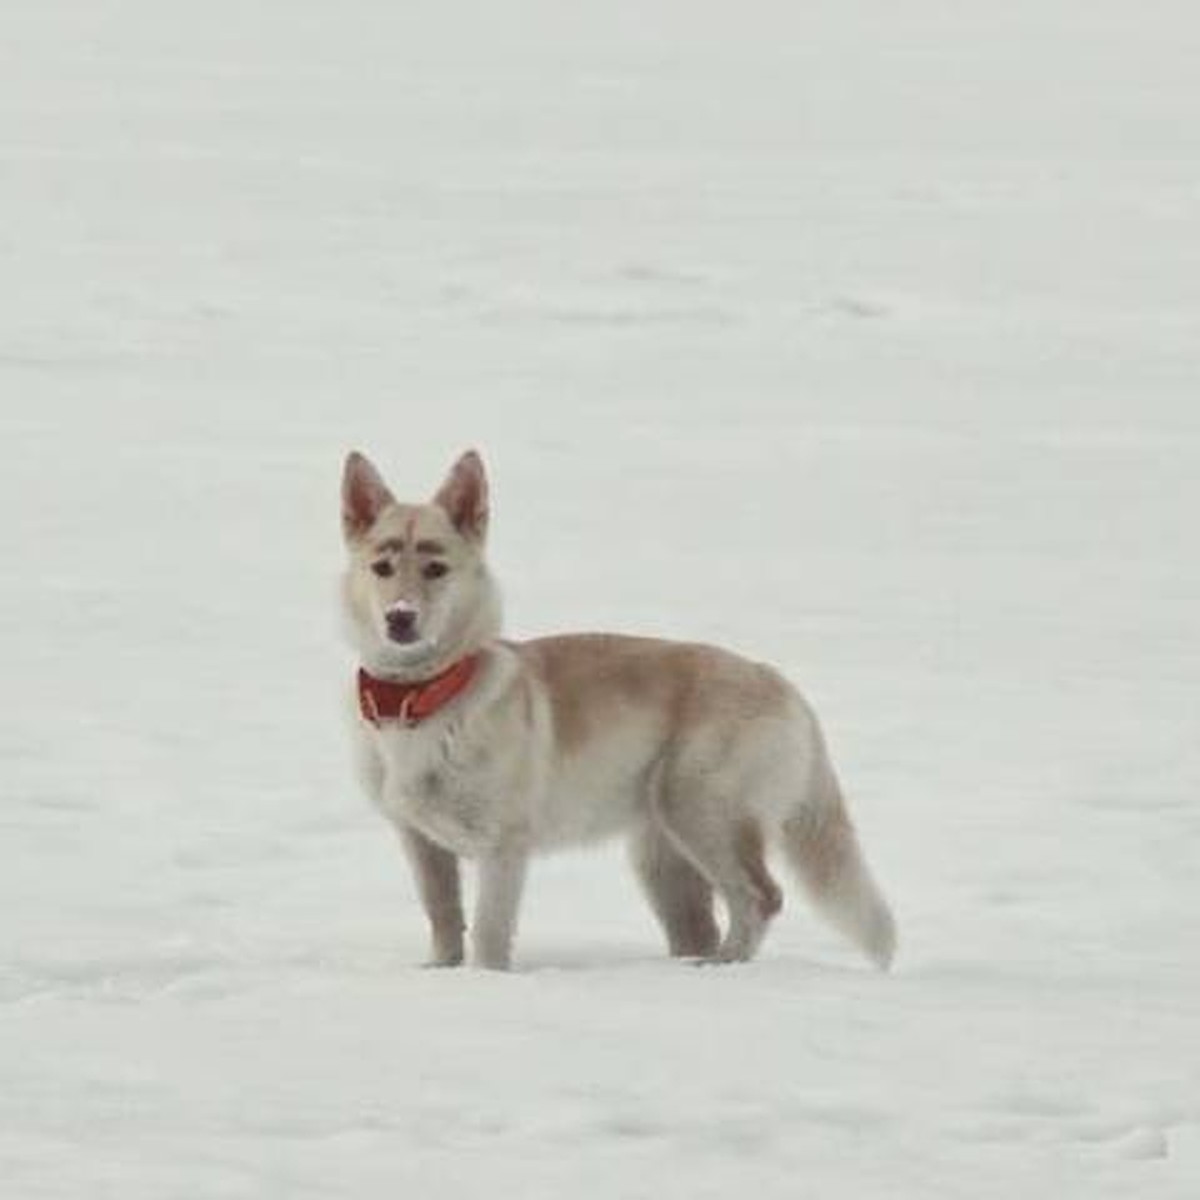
(681, 897)
(435, 870)
(728, 851)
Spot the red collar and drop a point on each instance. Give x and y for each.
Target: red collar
(382, 700)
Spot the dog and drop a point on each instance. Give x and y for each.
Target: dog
(492, 750)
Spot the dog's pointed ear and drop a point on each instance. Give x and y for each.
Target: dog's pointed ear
(364, 496)
(464, 496)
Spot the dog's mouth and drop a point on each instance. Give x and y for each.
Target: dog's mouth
(409, 646)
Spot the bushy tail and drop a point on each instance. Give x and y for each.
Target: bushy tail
(823, 848)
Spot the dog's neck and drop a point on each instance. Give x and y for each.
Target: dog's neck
(381, 700)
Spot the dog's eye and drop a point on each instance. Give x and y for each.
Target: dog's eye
(382, 568)
(434, 570)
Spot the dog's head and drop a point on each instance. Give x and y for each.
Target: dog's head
(417, 588)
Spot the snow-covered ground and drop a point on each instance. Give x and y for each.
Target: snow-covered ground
(861, 337)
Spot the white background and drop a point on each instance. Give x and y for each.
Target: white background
(858, 336)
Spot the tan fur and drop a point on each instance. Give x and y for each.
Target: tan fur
(589, 678)
(703, 756)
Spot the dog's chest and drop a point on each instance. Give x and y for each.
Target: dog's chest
(438, 785)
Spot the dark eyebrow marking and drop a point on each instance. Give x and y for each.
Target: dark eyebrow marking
(390, 544)
(428, 547)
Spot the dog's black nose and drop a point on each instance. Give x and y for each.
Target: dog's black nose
(402, 624)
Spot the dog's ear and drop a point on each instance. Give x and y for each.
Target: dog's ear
(364, 496)
(464, 496)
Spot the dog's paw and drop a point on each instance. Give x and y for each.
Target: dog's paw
(444, 957)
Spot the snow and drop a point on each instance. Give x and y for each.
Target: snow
(861, 338)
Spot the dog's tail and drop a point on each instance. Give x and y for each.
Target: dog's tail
(822, 846)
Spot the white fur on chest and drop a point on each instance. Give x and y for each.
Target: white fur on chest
(436, 781)
(457, 777)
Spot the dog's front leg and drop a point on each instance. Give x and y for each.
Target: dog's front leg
(501, 878)
(436, 872)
